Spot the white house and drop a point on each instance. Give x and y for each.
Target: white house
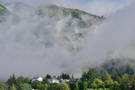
(37, 79)
(53, 80)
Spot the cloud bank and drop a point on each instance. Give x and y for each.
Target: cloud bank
(23, 54)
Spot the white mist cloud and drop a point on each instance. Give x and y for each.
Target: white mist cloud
(33, 45)
(114, 37)
(22, 53)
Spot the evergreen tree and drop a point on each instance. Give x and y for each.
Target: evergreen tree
(107, 77)
(20, 80)
(13, 87)
(12, 80)
(48, 76)
(83, 85)
(74, 86)
(25, 86)
(90, 75)
(65, 76)
(125, 82)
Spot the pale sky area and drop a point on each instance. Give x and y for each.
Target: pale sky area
(98, 7)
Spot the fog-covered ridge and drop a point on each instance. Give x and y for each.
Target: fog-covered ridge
(43, 39)
(35, 40)
(54, 23)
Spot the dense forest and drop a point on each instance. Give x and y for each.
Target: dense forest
(112, 75)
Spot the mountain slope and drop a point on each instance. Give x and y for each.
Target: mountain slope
(3, 12)
(83, 18)
(54, 25)
(73, 24)
(118, 66)
(2, 8)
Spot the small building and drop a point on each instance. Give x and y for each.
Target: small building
(63, 80)
(53, 80)
(37, 79)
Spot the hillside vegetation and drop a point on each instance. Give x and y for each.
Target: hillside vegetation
(83, 19)
(53, 24)
(3, 12)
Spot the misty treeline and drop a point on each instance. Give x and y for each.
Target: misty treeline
(112, 75)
